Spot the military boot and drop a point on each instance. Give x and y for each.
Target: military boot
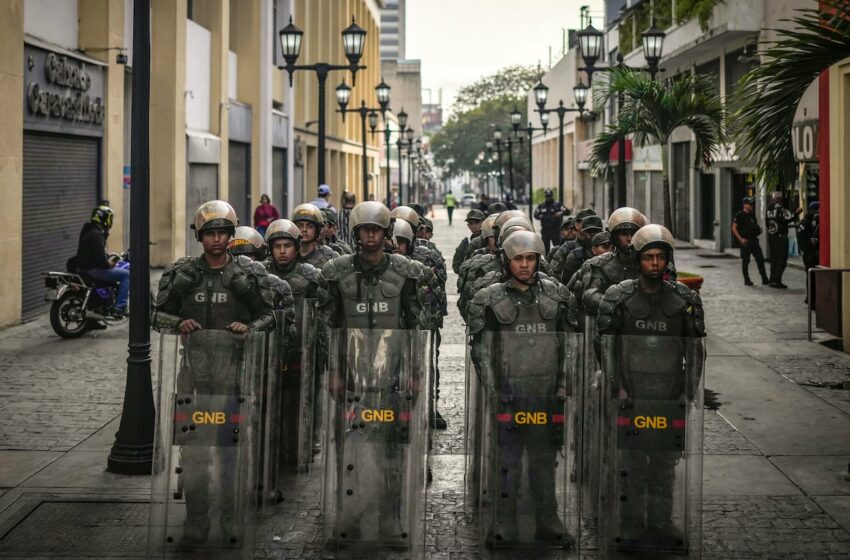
(662, 531)
(230, 531)
(390, 531)
(196, 528)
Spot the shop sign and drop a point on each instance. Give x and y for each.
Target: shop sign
(63, 89)
(804, 140)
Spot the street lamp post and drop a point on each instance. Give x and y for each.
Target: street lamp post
(521, 134)
(541, 95)
(387, 132)
(590, 42)
(353, 38)
(343, 94)
(497, 139)
(132, 451)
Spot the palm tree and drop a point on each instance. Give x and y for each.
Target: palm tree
(818, 39)
(652, 110)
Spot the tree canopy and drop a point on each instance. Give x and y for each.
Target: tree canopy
(512, 81)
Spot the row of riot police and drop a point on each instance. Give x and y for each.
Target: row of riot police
(278, 349)
(584, 391)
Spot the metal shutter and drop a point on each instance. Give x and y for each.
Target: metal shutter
(59, 192)
(201, 186)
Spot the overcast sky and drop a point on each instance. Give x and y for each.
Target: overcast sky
(459, 41)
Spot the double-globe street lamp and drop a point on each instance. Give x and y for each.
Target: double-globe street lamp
(353, 39)
(405, 139)
(590, 43)
(387, 132)
(343, 95)
(521, 134)
(541, 96)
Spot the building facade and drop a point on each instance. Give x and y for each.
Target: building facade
(393, 17)
(224, 121)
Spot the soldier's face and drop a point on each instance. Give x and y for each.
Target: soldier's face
(215, 241)
(401, 247)
(491, 243)
(308, 231)
(653, 262)
(624, 238)
(588, 235)
(523, 266)
(474, 226)
(284, 251)
(601, 249)
(330, 230)
(371, 238)
(568, 234)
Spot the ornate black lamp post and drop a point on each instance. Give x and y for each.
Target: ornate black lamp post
(590, 42)
(343, 94)
(387, 132)
(521, 134)
(353, 39)
(541, 95)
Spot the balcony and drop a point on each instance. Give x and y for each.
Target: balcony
(687, 42)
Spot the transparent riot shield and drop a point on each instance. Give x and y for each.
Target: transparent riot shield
(472, 430)
(529, 503)
(376, 442)
(650, 497)
(203, 481)
(588, 415)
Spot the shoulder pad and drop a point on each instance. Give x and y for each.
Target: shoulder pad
(405, 267)
(554, 290)
(688, 294)
(250, 266)
(335, 269)
(310, 272)
(483, 299)
(328, 252)
(613, 296)
(179, 263)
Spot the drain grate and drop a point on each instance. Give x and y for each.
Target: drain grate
(707, 266)
(106, 529)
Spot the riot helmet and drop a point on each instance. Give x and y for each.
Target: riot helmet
(488, 226)
(407, 214)
(373, 213)
(402, 230)
(283, 229)
(626, 219)
(513, 225)
(652, 236)
(496, 208)
(103, 216)
(329, 214)
(215, 214)
(307, 213)
(521, 242)
(247, 241)
(418, 208)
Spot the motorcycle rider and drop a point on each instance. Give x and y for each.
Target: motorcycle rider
(525, 299)
(218, 292)
(310, 221)
(642, 308)
(92, 260)
(307, 284)
(375, 290)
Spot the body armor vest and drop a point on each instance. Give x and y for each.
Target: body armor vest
(652, 352)
(372, 299)
(300, 286)
(217, 298)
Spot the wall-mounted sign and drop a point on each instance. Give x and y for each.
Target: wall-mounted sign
(62, 92)
(804, 140)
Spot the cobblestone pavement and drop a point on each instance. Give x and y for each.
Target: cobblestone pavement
(758, 503)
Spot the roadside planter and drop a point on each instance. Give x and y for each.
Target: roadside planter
(691, 280)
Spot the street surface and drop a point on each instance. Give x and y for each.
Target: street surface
(777, 437)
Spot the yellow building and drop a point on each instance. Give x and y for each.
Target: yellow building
(224, 122)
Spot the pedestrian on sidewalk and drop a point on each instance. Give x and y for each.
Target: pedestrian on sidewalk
(746, 230)
(778, 219)
(265, 214)
(808, 232)
(450, 203)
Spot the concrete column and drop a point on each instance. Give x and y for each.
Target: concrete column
(101, 29)
(839, 173)
(215, 16)
(170, 219)
(11, 155)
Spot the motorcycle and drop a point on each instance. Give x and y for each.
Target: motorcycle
(81, 303)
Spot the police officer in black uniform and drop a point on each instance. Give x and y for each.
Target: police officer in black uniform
(746, 229)
(550, 212)
(213, 291)
(778, 220)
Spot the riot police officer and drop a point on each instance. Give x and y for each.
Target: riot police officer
(529, 304)
(473, 221)
(652, 317)
(590, 226)
(372, 291)
(560, 254)
(329, 234)
(598, 273)
(308, 289)
(487, 261)
(212, 292)
(311, 222)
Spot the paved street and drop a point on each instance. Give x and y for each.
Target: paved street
(777, 445)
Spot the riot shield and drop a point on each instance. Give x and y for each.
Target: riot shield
(589, 419)
(203, 479)
(472, 430)
(529, 501)
(376, 442)
(650, 498)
